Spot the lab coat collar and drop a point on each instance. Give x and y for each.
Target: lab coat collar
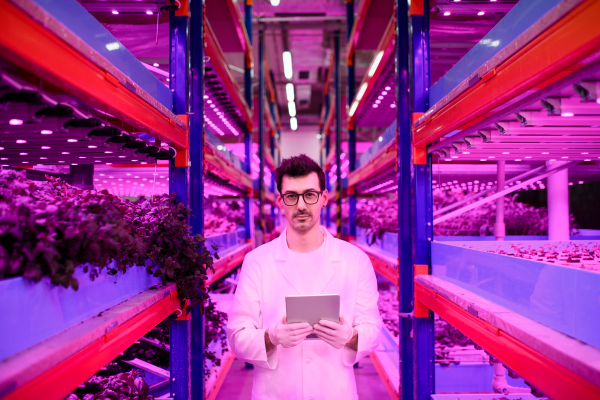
(330, 265)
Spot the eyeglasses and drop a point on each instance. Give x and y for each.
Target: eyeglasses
(310, 197)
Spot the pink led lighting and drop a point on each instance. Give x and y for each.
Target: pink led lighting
(567, 114)
(392, 105)
(115, 12)
(92, 147)
(149, 12)
(45, 147)
(447, 13)
(72, 140)
(388, 88)
(384, 93)
(375, 106)
(46, 132)
(480, 13)
(15, 121)
(22, 154)
(21, 141)
(380, 98)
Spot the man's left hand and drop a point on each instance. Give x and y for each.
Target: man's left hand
(336, 335)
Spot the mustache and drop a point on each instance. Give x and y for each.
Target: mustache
(301, 213)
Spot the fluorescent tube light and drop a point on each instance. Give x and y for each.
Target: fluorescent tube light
(287, 64)
(353, 108)
(361, 91)
(292, 108)
(289, 91)
(274, 3)
(375, 63)
(293, 123)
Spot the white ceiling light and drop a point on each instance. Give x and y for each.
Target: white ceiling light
(353, 108)
(361, 91)
(293, 123)
(287, 64)
(289, 91)
(292, 108)
(274, 3)
(375, 63)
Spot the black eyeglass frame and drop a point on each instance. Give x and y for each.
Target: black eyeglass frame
(319, 193)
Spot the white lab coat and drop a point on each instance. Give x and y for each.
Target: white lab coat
(312, 370)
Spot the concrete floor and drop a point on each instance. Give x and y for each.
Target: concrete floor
(238, 383)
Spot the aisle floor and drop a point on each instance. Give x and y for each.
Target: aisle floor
(238, 383)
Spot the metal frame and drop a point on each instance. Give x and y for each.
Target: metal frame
(405, 186)
(338, 131)
(351, 131)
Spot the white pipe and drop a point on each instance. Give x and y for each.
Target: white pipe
(500, 227)
(486, 191)
(504, 192)
(558, 204)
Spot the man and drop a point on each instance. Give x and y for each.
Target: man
(304, 259)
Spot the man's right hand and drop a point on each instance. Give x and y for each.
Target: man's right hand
(288, 335)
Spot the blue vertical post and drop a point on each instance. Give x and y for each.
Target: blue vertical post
(196, 153)
(261, 130)
(248, 133)
(327, 150)
(424, 330)
(403, 135)
(180, 338)
(272, 146)
(351, 131)
(338, 132)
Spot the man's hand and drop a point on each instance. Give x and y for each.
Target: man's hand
(287, 335)
(336, 335)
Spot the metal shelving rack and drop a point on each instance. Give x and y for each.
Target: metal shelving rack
(93, 113)
(531, 100)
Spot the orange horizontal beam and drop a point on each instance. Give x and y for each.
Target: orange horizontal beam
(240, 29)
(381, 161)
(223, 168)
(32, 47)
(386, 47)
(553, 379)
(359, 22)
(227, 262)
(61, 380)
(559, 49)
(214, 51)
(389, 386)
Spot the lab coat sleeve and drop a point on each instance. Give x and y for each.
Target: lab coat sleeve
(244, 329)
(367, 320)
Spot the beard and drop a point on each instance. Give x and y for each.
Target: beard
(305, 224)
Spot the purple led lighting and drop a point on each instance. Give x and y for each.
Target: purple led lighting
(46, 147)
(72, 140)
(15, 121)
(375, 106)
(21, 141)
(377, 101)
(388, 88)
(22, 154)
(392, 105)
(380, 98)
(46, 132)
(384, 93)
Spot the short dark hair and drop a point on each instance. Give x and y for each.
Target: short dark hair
(298, 166)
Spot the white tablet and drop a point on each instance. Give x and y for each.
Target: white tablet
(312, 309)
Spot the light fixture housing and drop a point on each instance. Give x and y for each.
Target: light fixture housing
(287, 65)
(289, 91)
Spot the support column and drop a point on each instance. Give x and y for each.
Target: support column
(500, 226)
(338, 133)
(196, 187)
(351, 131)
(404, 140)
(327, 150)
(248, 198)
(423, 342)
(558, 205)
(180, 337)
(261, 133)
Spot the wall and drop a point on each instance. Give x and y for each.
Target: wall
(301, 141)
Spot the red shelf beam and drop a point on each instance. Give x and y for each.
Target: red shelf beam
(559, 50)
(34, 48)
(359, 23)
(214, 51)
(382, 54)
(545, 374)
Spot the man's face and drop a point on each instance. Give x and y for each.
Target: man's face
(301, 216)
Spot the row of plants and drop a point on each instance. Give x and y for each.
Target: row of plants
(451, 345)
(48, 229)
(379, 215)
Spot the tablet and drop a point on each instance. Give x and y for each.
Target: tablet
(312, 309)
